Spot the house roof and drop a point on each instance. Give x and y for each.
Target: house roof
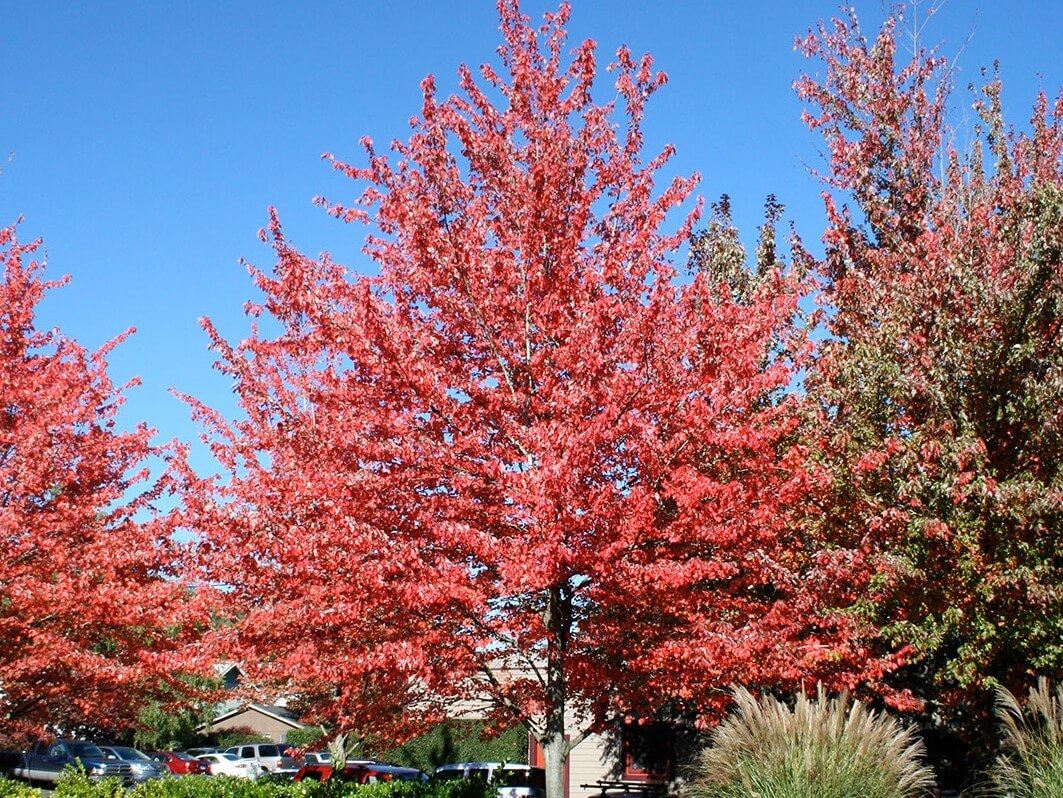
(222, 668)
(282, 714)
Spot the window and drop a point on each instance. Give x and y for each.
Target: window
(648, 750)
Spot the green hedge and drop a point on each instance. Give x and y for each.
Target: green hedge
(78, 785)
(17, 789)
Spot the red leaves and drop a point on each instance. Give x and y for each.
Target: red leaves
(90, 613)
(942, 385)
(525, 459)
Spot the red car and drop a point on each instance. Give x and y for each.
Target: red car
(180, 763)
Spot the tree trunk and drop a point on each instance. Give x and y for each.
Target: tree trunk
(555, 753)
(556, 619)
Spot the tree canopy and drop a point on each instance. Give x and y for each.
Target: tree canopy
(533, 460)
(940, 387)
(93, 615)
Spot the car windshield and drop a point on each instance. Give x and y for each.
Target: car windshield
(449, 775)
(124, 752)
(184, 756)
(227, 757)
(531, 777)
(85, 750)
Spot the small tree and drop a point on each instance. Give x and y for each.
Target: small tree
(941, 384)
(92, 613)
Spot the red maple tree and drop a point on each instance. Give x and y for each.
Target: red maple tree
(532, 460)
(942, 384)
(91, 616)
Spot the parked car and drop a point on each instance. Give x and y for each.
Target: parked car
(511, 780)
(316, 757)
(270, 755)
(206, 749)
(142, 765)
(221, 764)
(179, 763)
(46, 762)
(360, 772)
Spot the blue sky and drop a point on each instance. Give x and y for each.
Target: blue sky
(149, 138)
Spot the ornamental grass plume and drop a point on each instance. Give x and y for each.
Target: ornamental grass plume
(1031, 762)
(822, 748)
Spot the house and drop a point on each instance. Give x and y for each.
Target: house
(270, 721)
(642, 755)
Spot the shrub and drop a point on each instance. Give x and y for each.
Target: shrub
(460, 741)
(225, 787)
(304, 737)
(75, 783)
(1031, 764)
(820, 749)
(10, 788)
(237, 736)
(222, 787)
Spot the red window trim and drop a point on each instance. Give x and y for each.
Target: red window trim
(633, 773)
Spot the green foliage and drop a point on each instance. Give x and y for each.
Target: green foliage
(428, 789)
(224, 787)
(10, 788)
(237, 736)
(76, 783)
(161, 730)
(1031, 765)
(460, 741)
(305, 737)
(161, 727)
(820, 749)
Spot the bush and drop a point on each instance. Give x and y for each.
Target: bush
(1031, 764)
(460, 741)
(237, 736)
(222, 787)
(820, 749)
(9, 788)
(304, 737)
(162, 730)
(75, 783)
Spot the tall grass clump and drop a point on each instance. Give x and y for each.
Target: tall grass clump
(1031, 762)
(822, 748)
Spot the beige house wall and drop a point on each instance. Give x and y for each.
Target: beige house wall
(589, 762)
(596, 758)
(276, 731)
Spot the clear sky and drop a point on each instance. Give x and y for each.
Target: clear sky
(147, 139)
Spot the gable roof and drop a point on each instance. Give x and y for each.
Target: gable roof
(282, 714)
